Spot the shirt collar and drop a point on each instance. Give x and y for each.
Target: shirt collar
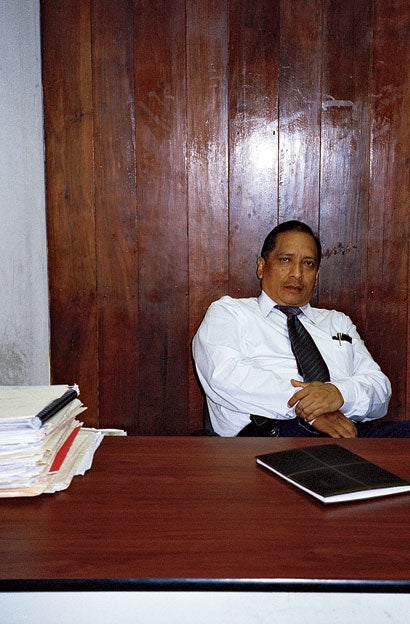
(267, 304)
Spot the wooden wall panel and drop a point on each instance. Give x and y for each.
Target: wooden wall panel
(207, 166)
(387, 327)
(177, 135)
(300, 111)
(253, 136)
(345, 155)
(116, 218)
(160, 79)
(69, 131)
(300, 102)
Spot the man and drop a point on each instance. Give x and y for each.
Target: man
(246, 364)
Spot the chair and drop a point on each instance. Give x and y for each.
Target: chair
(208, 430)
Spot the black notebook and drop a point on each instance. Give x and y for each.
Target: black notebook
(333, 474)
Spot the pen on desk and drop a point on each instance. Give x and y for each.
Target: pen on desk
(52, 408)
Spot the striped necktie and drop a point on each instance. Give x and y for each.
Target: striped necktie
(311, 364)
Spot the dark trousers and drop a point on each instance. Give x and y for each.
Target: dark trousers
(297, 428)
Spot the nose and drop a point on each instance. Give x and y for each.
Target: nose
(297, 270)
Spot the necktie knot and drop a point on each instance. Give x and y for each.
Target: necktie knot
(289, 310)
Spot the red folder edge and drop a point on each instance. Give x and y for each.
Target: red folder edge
(63, 450)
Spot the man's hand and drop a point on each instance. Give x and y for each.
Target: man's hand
(314, 399)
(320, 402)
(336, 425)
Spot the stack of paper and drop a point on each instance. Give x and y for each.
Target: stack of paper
(42, 443)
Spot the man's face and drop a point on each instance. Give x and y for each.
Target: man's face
(290, 272)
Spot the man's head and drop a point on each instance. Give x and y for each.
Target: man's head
(289, 263)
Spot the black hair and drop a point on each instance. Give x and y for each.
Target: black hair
(288, 226)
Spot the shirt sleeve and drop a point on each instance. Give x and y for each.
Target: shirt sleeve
(228, 375)
(366, 390)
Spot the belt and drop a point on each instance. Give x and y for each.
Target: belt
(262, 427)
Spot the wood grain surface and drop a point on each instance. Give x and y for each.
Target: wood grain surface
(177, 135)
(191, 508)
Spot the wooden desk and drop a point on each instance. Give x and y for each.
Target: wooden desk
(198, 513)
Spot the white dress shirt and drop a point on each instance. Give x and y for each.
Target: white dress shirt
(245, 363)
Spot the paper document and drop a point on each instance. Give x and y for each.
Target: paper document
(43, 445)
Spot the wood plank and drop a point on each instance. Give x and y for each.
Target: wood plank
(116, 215)
(345, 156)
(389, 218)
(162, 216)
(300, 111)
(253, 136)
(207, 162)
(68, 111)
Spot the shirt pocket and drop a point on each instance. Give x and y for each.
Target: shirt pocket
(341, 358)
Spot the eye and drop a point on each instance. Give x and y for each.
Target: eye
(310, 263)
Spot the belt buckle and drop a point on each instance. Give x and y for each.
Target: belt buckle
(267, 427)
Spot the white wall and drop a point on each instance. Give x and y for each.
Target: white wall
(24, 320)
(203, 608)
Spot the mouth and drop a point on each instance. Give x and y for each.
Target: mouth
(294, 287)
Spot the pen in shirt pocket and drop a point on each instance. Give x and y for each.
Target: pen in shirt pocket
(339, 336)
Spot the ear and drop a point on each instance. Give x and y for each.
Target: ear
(317, 275)
(260, 265)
